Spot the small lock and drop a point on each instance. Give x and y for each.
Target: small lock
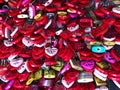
(98, 49)
(99, 82)
(38, 16)
(75, 64)
(30, 79)
(61, 13)
(108, 43)
(22, 16)
(95, 43)
(38, 74)
(49, 74)
(58, 66)
(103, 65)
(85, 77)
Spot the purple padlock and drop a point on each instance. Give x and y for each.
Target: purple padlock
(108, 57)
(87, 64)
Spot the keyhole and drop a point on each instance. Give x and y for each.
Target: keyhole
(98, 49)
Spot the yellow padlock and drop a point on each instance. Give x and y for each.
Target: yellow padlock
(58, 66)
(99, 82)
(38, 74)
(71, 10)
(102, 65)
(95, 43)
(49, 74)
(30, 79)
(38, 16)
(75, 64)
(109, 43)
(61, 13)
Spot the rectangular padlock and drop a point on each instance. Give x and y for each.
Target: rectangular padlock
(85, 77)
(103, 65)
(49, 74)
(99, 82)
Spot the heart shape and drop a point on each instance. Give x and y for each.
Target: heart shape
(7, 43)
(67, 85)
(116, 10)
(21, 69)
(16, 62)
(51, 51)
(27, 42)
(3, 78)
(88, 65)
(108, 57)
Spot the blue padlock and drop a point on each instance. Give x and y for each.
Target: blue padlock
(98, 49)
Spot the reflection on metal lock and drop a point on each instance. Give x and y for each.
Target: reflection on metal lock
(108, 43)
(103, 65)
(38, 74)
(36, 17)
(98, 49)
(99, 82)
(58, 66)
(75, 64)
(49, 74)
(30, 79)
(85, 77)
(61, 13)
(95, 43)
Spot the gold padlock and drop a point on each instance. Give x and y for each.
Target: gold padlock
(49, 74)
(38, 74)
(109, 43)
(103, 65)
(95, 43)
(85, 77)
(38, 16)
(75, 64)
(99, 82)
(58, 66)
(61, 13)
(30, 79)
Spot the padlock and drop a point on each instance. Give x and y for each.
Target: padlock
(75, 64)
(85, 77)
(103, 65)
(49, 74)
(30, 79)
(98, 49)
(58, 66)
(38, 74)
(99, 82)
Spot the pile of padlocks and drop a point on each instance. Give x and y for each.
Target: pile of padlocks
(59, 44)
